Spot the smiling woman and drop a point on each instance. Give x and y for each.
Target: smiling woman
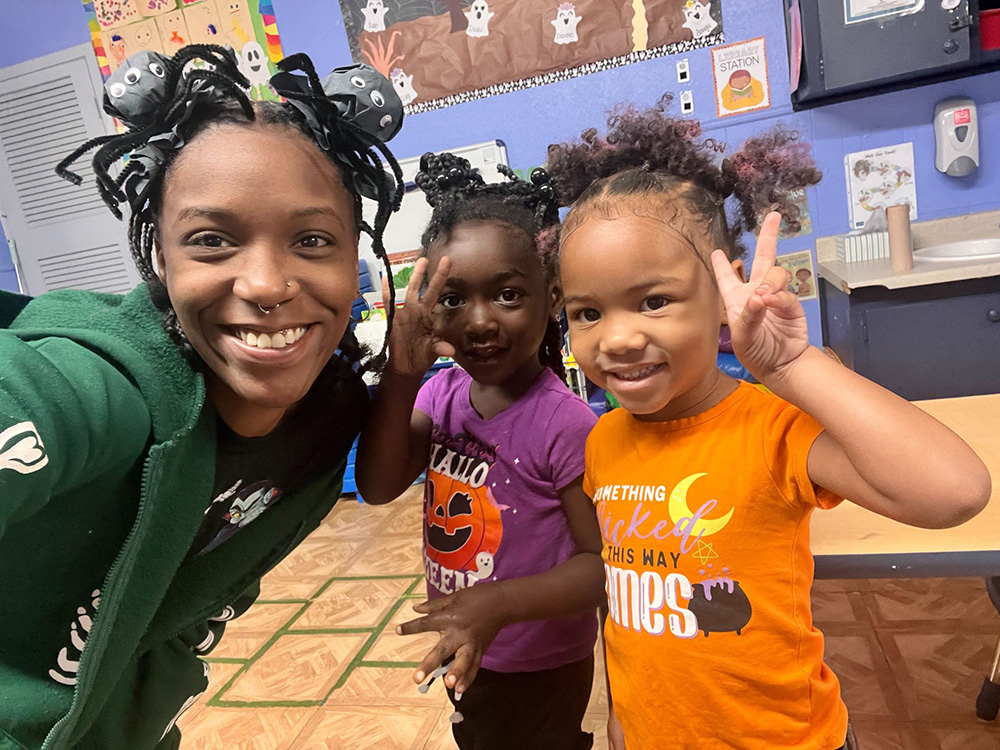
(160, 451)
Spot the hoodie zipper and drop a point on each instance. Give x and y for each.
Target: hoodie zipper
(98, 641)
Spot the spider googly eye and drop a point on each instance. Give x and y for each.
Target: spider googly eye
(358, 81)
(132, 76)
(377, 99)
(385, 121)
(157, 70)
(117, 90)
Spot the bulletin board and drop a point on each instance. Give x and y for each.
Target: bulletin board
(443, 52)
(120, 28)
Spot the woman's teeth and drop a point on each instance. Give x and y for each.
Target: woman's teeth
(278, 340)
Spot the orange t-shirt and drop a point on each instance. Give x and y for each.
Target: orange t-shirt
(710, 641)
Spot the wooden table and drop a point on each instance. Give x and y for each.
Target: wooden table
(851, 542)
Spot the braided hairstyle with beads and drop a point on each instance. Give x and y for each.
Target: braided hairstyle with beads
(165, 102)
(458, 194)
(657, 164)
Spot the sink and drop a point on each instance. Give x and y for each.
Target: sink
(969, 250)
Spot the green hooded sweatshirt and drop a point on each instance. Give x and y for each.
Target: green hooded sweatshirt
(107, 460)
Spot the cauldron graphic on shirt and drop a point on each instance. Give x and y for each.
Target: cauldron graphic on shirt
(720, 606)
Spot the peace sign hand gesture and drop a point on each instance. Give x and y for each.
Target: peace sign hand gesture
(415, 343)
(767, 322)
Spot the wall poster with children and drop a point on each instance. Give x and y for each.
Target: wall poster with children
(120, 28)
(443, 52)
(803, 276)
(880, 178)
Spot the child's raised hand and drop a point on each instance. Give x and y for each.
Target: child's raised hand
(468, 621)
(415, 345)
(767, 322)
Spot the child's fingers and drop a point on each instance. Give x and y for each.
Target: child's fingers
(416, 281)
(750, 319)
(434, 659)
(725, 276)
(431, 606)
(437, 282)
(767, 247)
(443, 349)
(464, 669)
(774, 281)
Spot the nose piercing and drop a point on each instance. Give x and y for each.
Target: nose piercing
(275, 306)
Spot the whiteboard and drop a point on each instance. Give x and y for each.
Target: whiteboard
(406, 225)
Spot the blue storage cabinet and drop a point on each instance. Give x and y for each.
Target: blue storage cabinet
(923, 342)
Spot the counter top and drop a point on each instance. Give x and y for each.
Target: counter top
(850, 541)
(848, 276)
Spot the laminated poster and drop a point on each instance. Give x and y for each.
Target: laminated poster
(740, 73)
(856, 11)
(443, 52)
(120, 28)
(800, 266)
(881, 177)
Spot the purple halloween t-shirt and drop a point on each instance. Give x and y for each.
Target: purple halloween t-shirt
(491, 505)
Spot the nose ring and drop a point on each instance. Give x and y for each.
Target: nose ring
(267, 310)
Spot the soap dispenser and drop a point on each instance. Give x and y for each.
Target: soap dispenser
(956, 136)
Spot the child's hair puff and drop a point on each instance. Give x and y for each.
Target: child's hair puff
(650, 153)
(459, 194)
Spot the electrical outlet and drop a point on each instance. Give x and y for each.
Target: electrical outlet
(683, 71)
(687, 102)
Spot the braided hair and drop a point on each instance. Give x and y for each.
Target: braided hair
(175, 104)
(656, 163)
(459, 194)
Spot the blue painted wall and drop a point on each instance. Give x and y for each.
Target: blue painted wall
(527, 121)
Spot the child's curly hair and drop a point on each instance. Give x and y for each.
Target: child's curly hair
(649, 155)
(458, 193)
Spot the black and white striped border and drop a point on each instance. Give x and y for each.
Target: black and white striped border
(565, 75)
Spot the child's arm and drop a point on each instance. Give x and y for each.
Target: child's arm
(616, 735)
(470, 619)
(394, 445)
(877, 450)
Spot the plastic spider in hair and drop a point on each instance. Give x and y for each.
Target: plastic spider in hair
(352, 112)
(152, 94)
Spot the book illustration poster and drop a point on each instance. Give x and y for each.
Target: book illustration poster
(120, 28)
(739, 71)
(803, 276)
(443, 52)
(880, 178)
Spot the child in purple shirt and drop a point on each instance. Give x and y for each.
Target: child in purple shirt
(511, 542)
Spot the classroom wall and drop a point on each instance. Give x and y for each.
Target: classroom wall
(527, 121)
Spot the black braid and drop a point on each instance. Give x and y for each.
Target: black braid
(459, 194)
(365, 153)
(550, 354)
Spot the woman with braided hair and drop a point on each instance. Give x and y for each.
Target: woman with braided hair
(160, 451)
(510, 542)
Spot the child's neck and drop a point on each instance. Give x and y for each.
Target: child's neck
(489, 400)
(710, 391)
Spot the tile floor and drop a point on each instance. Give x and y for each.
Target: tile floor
(316, 664)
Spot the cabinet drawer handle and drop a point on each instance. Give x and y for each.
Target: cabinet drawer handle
(994, 316)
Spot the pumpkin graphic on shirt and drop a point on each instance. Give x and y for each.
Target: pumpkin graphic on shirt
(459, 523)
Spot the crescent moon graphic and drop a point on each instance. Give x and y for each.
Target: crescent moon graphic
(678, 509)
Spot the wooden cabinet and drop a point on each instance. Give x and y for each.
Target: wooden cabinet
(924, 342)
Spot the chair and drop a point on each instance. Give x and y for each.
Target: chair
(988, 702)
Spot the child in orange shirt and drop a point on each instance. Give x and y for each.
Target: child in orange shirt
(704, 485)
